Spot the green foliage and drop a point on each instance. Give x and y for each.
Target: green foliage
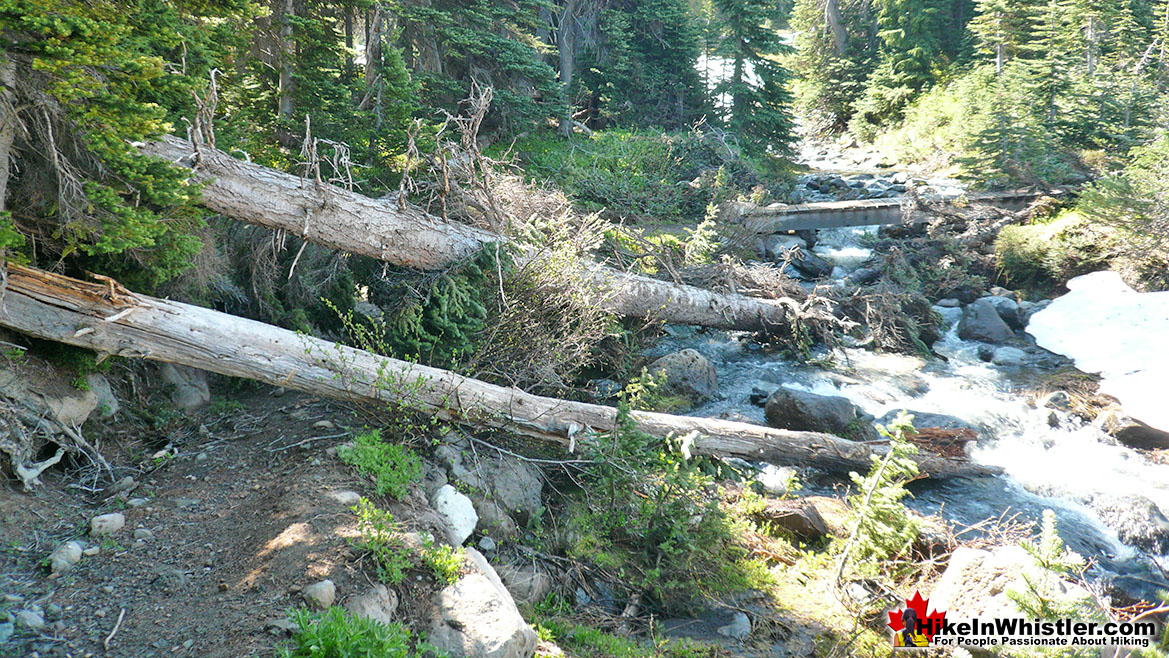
(379, 537)
(1042, 596)
(760, 108)
(587, 642)
(646, 391)
(637, 174)
(393, 467)
(444, 560)
(337, 633)
(652, 516)
(1043, 256)
(880, 526)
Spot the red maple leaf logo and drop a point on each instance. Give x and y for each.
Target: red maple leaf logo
(930, 623)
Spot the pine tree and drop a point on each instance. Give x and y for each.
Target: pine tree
(1001, 28)
(759, 110)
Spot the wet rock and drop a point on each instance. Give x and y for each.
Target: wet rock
(758, 396)
(320, 596)
(106, 524)
(1132, 432)
(378, 604)
(949, 302)
(775, 480)
(1009, 356)
(477, 617)
(811, 263)
(191, 391)
(950, 316)
(1136, 520)
(922, 419)
(800, 410)
(985, 353)
(1056, 400)
(458, 511)
(976, 583)
(864, 276)
(981, 321)
(776, 247)
(687, 373)
(1008, 310)
(65, 557)
(527, 584)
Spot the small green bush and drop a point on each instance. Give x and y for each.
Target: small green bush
(392, 466)
(445, 561)
(1044, 256)
(339, 634)
(380, 539)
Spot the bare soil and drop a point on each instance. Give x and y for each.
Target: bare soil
(243, 516)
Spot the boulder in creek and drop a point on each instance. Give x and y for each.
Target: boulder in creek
(977, 582)
(1132, 432)
(477, 617)
(800, 410)
(776, 247)
(924, 419)
(1136, 520)
(811, 263)
(1009, 356)
(981, 321)
(687, 373)
(1008, 310)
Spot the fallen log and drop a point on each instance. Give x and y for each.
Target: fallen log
(405, 235)
(110, 320)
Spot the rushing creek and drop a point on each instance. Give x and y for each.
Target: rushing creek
(1050, 459)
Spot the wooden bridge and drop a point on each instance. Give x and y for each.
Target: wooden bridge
(778, 218)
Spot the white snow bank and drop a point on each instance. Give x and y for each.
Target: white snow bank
(1106, 327)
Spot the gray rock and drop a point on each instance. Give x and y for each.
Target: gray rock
(136, 502)
(738, 629)
(320, 595)
(143, 533)
(923, 419)
(6, 631)
(981, 321)
(345, 497)
(191, 391)
(378, 604)
(458, 511)
(487, 544)
(368, 310)
(46, 389)
(30, 619)
(493, 519)
(687, 373)
(950, 316)
(812, 264)
(107, 401)
(976, 583)
(949, 302)
(1008, 310)
(476, 617)
(106, 524)
(1056, 400)
(91, 551)
(864, 276)
(65, 557)
(527, 584)
(775, 480)
(800, 410)
(1136, 520)
(1009, 356)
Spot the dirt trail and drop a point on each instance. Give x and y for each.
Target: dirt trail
(239, 523)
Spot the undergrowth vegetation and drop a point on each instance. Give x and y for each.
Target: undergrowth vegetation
(392, 466)
(337, 633)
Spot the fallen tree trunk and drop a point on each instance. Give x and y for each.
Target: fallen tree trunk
(408, 236)
(110, 320)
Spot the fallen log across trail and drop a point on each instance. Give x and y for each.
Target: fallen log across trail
(113, 321)
(406, 235)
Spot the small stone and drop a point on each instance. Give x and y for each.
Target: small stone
(280, 625)
(13, 598)
(30, 618)
(184, 503)
(345, 497)
(108, 589)
(487, 544)
(125, 484)
(66, 555)
(324, 425)
(91, 551)
(201, 457)
(320, 595)
(136, 502)
(378, 604)
(53, 611)
(6, 631)
(143, 533)
(203, 431)
(188, 644)
(106, 524)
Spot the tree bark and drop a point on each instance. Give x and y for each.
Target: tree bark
(7, 122)
(566, 44)
(407, 236)
(287, 50)
(835, 22)
(110, 320)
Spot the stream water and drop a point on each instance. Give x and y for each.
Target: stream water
(1050, 459)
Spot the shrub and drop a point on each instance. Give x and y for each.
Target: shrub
(1043, 256)
(379, 538)
(393, 467)
(339, 634)
(444, 560)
